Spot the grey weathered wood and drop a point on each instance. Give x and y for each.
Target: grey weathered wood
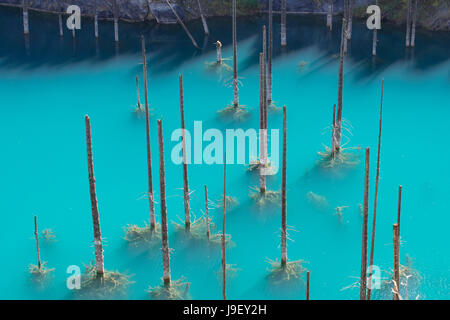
(164, 229)
(95, 20)
(116, 20)
(408, 24)
(94, 207)
(219, 52)
(283, 23)
(375, 39)
(205, 25)
(414, 22)
(350, 20)
(26, 25)
(183, 25)
(363, 280)
(330, 15)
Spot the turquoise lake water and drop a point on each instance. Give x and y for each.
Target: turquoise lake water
(48, 87)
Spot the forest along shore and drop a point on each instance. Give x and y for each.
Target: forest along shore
(432, 15)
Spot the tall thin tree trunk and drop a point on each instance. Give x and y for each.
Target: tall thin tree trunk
(182, 25)
(396, 245)
(283, 23)
(262, 145)
(283, 197)
(224, 264)
(187, 210)
(26, 26)
(61, 32)
(372, 243)
(399, 207)
(37, 242)
(375, 39)
(149, 154)
(338, 128)
(219, 51)
(333, 129)
(269, 79)
(350, 19)
(235, 71)
(116, 20)
(95, 20)
(93, 194)
(307, 285)
(205, 25)
(414, 22)
(408, 24)
(363, 281)
(164, 230)
(330, 15)
(346, 26)
(207, 212)
(137, 91)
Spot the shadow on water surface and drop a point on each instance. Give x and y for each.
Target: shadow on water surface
(169, 47)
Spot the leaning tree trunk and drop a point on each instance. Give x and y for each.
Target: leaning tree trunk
(182, 25)
(37, 242)
(269, 79)
(372, 243)
(338, 128)
(330, 15)
(363, 281)
(224, 264)
(283, 198)
(235, 71)
(408, 24)
(164, 230)
(283, 23)
(116, 20)
(26, 27)
(205, 25)
(187, 210)
(262, 177)
(93, 194)
(414, 22)
(149, 154)
(396, 245)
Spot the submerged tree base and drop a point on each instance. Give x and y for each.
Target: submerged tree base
(230, 271)
(48, 235)
(40, 275)
(257, 165)
(343, 158)
(197, 231)
(111, 283)
(273, 108)
(219, 67)
(236, 113)
(230, 201)
(136, 235)
(291, 271)
(319, 201)
(267, 198)
(177, 290)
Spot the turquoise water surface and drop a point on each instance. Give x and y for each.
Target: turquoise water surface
(49, 84)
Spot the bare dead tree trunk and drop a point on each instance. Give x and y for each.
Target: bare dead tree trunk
(396, 245)
(37, 242)
(333, 129)
(137, 90)
(182, 25)
(350, 19)
(116, 20)
(269, 90)
(408, 24)
(330, 15)
(61, 32)
(346, 26)
(372, 243)
(338, 128)
(283, 197)
(164, 230)
(149, 154)
(235, 72)
(375, 39)
(262, 177)
(95, 20)
(205, 25)
(414, 22)
(283, 23)
(307, 285)
(219, 51)
(399, 207)
(207, 212)
(187, 209)
(26, 26)
(93, 194)
(224, 265)
(363, 281)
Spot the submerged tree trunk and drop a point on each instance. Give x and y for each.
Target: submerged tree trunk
(26, 28)
(346, 26)
(283, 23)
(350, 19)
(116, 20)
(330, 15)
(333, 129)
(307, 285)
(164, 230)
(283, 197)
(408, 24)
(187, 210)
(61, 32)
(37, 242)
(338, 127)
(396, 245)
(375, 39)
(95, 20)
(235, 72)
(207, 212)
(414, 22)
(372, 243)
(149, 154)
(399, 207)
(182, 25)
(269, 79)
(224, 264)
(363, 281)
(262, 177)
(205, 25)
(93, 194)
(137, 91)
(219, 51)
